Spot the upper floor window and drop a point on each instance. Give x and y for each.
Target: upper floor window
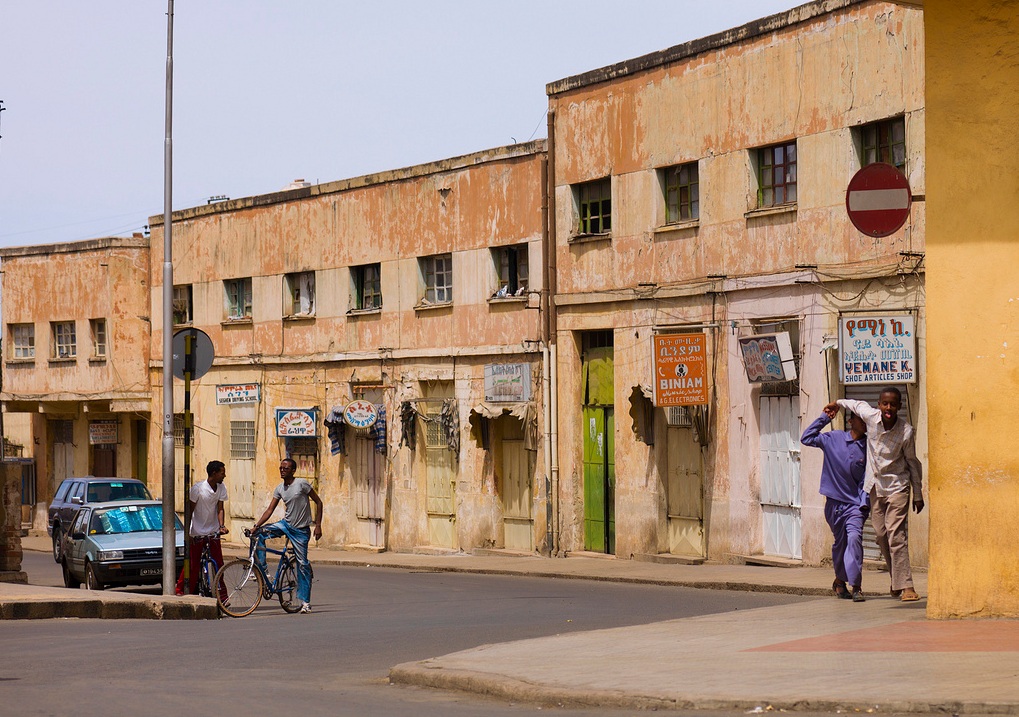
(883, 141)
(22, 341)
(97, 328)
(300, 296)
(682, 193)
(182, 305)
(511, 263)
(776, 175)
(242, 440)
(367, 286)
(594, 206)
(437, 274)
(64, 340)
(238, 298)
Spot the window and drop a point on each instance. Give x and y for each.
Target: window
(776, 175)
(242, 440)
(884, 142)
(238, 298)
(594, 206)
(437, 272)
(23, 341)
(182, 305)
(64, 342)
(511, 263)
(97, 328)
(367, 281)
(300, 294)
(178, 430)
(682, 193)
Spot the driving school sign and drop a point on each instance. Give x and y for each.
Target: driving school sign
(680, 368)
(877, 349)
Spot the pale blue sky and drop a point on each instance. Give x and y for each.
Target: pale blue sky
(267, 92)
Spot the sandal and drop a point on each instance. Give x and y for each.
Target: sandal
(909, 595)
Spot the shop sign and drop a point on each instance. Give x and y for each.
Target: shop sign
(296, 422)
(508, 382)
(768, 357)
(877, 349)
(361, 413)
(238, 393)
(681, 370)
(103, 433)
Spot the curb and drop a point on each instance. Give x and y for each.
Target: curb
(98, 608)
(420, 674)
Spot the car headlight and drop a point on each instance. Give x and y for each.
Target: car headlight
(111, 554)
(180, 551)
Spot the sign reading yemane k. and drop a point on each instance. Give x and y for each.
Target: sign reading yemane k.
(877, 349)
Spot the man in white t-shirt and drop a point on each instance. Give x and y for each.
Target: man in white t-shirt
(207, 521)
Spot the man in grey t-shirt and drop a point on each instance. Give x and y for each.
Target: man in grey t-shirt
(296, 494)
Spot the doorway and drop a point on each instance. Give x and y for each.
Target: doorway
(367, 468)
(685, 498)
(780, 475)
(599, 442)
(515, 464)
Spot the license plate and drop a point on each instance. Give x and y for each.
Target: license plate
(152, 571)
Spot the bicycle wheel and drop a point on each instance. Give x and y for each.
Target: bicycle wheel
(242, 584)
(286, 588)
(206, 577)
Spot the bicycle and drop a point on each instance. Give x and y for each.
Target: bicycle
(207, 566)
(244, 582)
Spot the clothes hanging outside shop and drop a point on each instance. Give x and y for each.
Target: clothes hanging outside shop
(408, 424)
(378, 431)
(491, 410)
(449, 421)
(336, 431)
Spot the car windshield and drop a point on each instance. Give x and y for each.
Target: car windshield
(116, 490)
(128, 519)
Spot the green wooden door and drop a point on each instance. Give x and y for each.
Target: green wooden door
(599, 450)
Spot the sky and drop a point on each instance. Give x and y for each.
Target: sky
(268, 92)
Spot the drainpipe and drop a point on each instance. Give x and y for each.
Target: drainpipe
(550, 327)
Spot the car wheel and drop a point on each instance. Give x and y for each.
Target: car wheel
(92, 581)
(70, 580)
(58, 537)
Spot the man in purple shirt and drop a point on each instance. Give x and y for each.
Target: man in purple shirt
(846, 504)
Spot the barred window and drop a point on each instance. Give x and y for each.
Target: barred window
(242, 440)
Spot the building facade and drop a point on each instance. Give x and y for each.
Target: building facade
(417, 292)
(700, 202)
(76, 343)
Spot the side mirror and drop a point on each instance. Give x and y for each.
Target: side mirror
(77, 500)
(78, 536)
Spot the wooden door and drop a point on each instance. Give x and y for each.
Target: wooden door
(780, 475)
(685, 492)
(518, 523)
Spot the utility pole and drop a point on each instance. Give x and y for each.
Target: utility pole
(169, 517)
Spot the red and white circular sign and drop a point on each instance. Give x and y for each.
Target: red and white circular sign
(878, 199)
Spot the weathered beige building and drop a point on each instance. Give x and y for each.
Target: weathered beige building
(76, 343)
(418, 290)
(700, 192)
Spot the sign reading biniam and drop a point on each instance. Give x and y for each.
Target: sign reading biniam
(878, 199)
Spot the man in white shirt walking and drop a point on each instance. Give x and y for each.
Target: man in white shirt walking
(893, 472)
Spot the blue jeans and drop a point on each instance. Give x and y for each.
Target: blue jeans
(299, 538)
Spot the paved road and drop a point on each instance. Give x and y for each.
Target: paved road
(335, 660)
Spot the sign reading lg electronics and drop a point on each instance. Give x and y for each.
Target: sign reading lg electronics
(681, 370)
(877, 349)
(296, 422)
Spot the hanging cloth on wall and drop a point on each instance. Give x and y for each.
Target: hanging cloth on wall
(378, 431)
(449, 420)
(336, 430)
(408, 424)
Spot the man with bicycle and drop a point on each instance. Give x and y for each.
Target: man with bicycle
(208, 522)
(296, 494)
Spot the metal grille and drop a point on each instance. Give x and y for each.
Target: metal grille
(242, 440)
(679, 417)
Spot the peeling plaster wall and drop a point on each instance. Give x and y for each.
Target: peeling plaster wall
(811, 75)
(463, 206)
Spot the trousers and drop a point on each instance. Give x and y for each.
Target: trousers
(889, 515)
(846, 523)
(299, 538)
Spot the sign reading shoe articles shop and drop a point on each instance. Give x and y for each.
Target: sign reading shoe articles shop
(877, 349)
(681, 370)
(361, 414)
(296, 422)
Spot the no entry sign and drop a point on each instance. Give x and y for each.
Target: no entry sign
(878, 199)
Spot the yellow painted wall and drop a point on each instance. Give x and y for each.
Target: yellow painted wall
(973, 305)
